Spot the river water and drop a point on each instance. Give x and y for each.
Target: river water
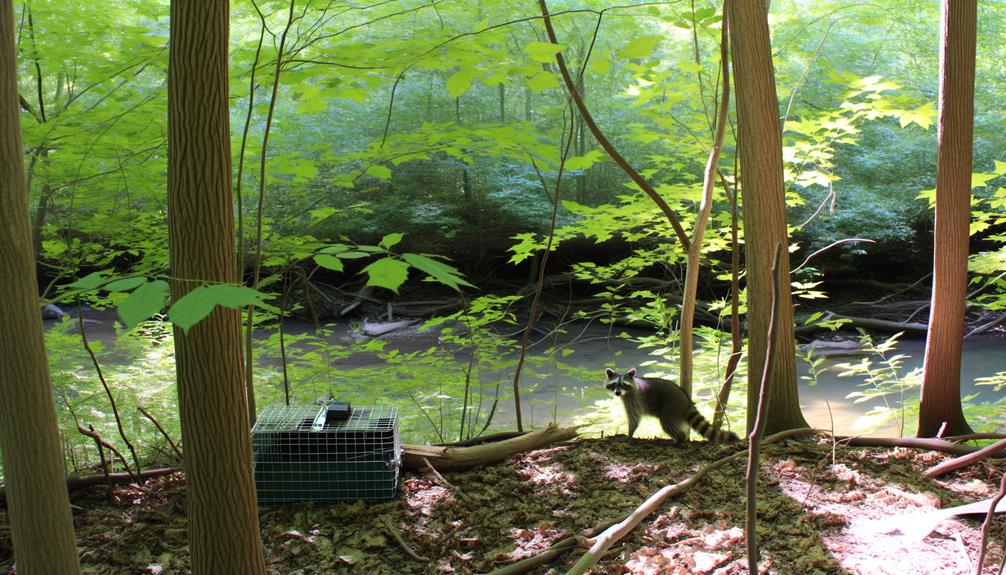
(566, 395)
(555, 394)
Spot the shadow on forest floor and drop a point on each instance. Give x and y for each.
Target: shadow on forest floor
(814, 517)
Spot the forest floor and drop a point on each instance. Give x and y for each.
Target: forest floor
(817, 515)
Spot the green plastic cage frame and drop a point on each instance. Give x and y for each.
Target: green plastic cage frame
(316, 453)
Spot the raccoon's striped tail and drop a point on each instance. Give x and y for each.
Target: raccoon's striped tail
(705, 429)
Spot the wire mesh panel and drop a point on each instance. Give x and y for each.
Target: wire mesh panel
(316, 453)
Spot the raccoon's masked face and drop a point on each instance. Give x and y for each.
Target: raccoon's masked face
(620, 383)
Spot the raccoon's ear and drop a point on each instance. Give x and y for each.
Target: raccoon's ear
(631, 373)
(609, 372)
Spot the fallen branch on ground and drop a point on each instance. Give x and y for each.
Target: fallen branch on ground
(484, 439)
(118, 478)
(931, 443)
(448, 458)
(965, 460)
(601, 543)
(546, 556)
(401, 541)
(867, 323)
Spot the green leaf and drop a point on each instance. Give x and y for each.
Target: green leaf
(543, 51)
(191, 308)
(335, 249)
(641, 47)
(198, 303)
(389, 272)
(542, 81)
(585, 161)
(322, 213)
(380, 172)
(439, 271)
(90, 281)
(459, 82)
(923, 116)
(328, 262)
(144, 302)
(979, 179)
(352, 255)
(390, 240)
(126, 284)
(233, 296)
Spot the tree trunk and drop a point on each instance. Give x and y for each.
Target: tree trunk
(764, 212)
(581, 145)
(941, 374)
(37, 501)
(223, 516)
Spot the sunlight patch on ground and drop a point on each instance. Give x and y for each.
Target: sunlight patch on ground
(539, 469)
(675, 544)
(424, 495)
(860, 509)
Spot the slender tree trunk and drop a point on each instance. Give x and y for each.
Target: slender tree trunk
(941, 375)
(690, 292)
(37, 501)
(223, 516)
(581, 145)
(764, 212)
(502, 96)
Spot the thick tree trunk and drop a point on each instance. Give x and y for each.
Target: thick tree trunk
(37, 501)
(223, 516)
(764, 210)
(941, 375)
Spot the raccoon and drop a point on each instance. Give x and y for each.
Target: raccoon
(663, 399)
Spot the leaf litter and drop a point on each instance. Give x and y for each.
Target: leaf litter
(816, 517)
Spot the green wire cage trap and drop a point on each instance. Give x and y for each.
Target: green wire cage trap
(330, 452)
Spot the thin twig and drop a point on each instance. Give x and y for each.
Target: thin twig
(563, 154)
(987, 524)
(761, 419)
(157, 424)
(90, 432)
(259, 222)
(104, 384)
(427, 414)
(401, 541)
(443, 480)
(828, 247)
(244, 145)
(736, 339)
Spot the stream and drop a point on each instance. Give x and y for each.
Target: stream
(553, 394)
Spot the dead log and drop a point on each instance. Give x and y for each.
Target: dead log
(119, 478)
(377, 329)
(491, 438)
(867, 323)
(448, 458)
(930, 443)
